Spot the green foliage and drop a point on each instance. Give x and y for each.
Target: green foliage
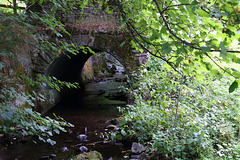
(189, 32)
(180, 110)
(182, 117)
(54, 83)
(18, 121)
(20, 92)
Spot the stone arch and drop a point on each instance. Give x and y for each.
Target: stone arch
(103, 35)
(69, 69)
(113, 42)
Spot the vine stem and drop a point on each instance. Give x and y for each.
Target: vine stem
(239, 133)
(178, 100)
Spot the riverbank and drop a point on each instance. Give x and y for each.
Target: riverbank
(89, 110)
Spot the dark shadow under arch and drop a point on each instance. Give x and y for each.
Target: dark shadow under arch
(69, 68)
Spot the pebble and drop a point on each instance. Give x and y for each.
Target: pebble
(49, 157)
(98, 142)
(134, 156)
(64, 149)
(82, 137)
(52, 155)
(108, 122)
(83, 149)
(78, 145)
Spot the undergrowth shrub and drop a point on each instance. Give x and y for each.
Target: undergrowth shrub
(20, 91)
(182, 117)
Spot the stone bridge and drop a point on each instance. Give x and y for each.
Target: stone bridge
(100, 32)
(113, 42)
(68, 66)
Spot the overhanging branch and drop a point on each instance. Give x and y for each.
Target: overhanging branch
(192, 45)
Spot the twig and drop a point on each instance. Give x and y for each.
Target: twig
(219, 65)
(178, 100)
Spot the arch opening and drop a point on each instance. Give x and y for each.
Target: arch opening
(82, 68)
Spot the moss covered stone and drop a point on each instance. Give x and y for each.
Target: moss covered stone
(93, 155)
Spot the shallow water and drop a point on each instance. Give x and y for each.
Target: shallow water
(88, 111)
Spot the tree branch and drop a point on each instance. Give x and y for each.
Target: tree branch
(219, 65)
(192, 45)
(170, 30)
(176, 5)
(133, 32)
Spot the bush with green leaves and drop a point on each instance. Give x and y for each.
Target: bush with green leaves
(20, 91)
(182, 117)
(18, 120)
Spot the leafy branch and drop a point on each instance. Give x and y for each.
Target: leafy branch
(156, 30)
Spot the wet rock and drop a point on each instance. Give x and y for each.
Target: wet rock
(48, 157)
(111, 126)
(52, 156)
(135, 156)
(98, 142)
(64, 149)
(94, 155)
(82, 137)
(77, 145)
(137, 148)
(107, 141)
(117, 120)
(114, 121)
(109, 121)
(83, 149)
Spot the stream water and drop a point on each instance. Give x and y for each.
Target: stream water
(88, 111)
